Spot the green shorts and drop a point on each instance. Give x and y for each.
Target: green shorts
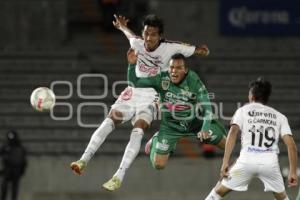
(168, 138)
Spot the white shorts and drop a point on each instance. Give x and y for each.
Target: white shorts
(241, 174)
(137, 103)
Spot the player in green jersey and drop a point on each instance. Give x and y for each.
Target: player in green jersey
(185, 108)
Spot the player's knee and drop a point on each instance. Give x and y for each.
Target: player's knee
(141, 124)
(116, 116)
(221, 190)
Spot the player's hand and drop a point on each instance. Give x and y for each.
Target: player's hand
(131, 56)
(202, 50)
(224, 170)
(120, 21)
(204, 136)
(292, 180)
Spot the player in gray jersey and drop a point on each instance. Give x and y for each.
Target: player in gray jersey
(259, 151)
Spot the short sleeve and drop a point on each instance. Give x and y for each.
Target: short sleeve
(185, 49)
(237, 118)
(134, 42)
(285, 127)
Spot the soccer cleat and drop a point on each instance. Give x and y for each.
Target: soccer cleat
(78, 166)
(149, 144)
(148, 147)
(113, 184)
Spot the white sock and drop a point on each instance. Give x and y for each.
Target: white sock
(131, 151)
(213, 195)
(97, 139)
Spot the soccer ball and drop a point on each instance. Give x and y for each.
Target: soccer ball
(42, 99)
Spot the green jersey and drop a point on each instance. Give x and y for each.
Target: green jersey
(184, 107)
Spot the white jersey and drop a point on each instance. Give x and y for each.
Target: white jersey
(151, 63)
(260, 127)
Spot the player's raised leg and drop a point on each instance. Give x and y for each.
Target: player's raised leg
(141, 122)
(115, 117)
(161, 146)
(131, 151)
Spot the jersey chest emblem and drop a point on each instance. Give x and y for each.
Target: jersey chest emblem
(165, 83)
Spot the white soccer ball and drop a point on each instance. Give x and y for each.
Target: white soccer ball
(42, 99)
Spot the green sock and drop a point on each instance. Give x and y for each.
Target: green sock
(152, 151)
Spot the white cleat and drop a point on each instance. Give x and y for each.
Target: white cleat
(113, 184)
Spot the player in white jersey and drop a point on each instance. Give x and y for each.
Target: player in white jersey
(136, 103)
(261, 127)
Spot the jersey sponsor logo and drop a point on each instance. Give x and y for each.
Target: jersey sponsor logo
(177, 107)
(127, 94)
(188, 94)
(151, 71)
(254, 113)
(259, 150)
(179, 97)
(163, 145)
(149, 64)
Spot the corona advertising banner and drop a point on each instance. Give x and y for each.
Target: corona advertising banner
(260, 17)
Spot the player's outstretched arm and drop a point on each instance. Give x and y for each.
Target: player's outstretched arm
(121, 24)
(202, 50)
(292, 154)
(230, 143)
(131, 59)
(203, 100)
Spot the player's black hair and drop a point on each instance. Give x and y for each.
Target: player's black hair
(261, 89)
(178, 56)
(155, 21)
